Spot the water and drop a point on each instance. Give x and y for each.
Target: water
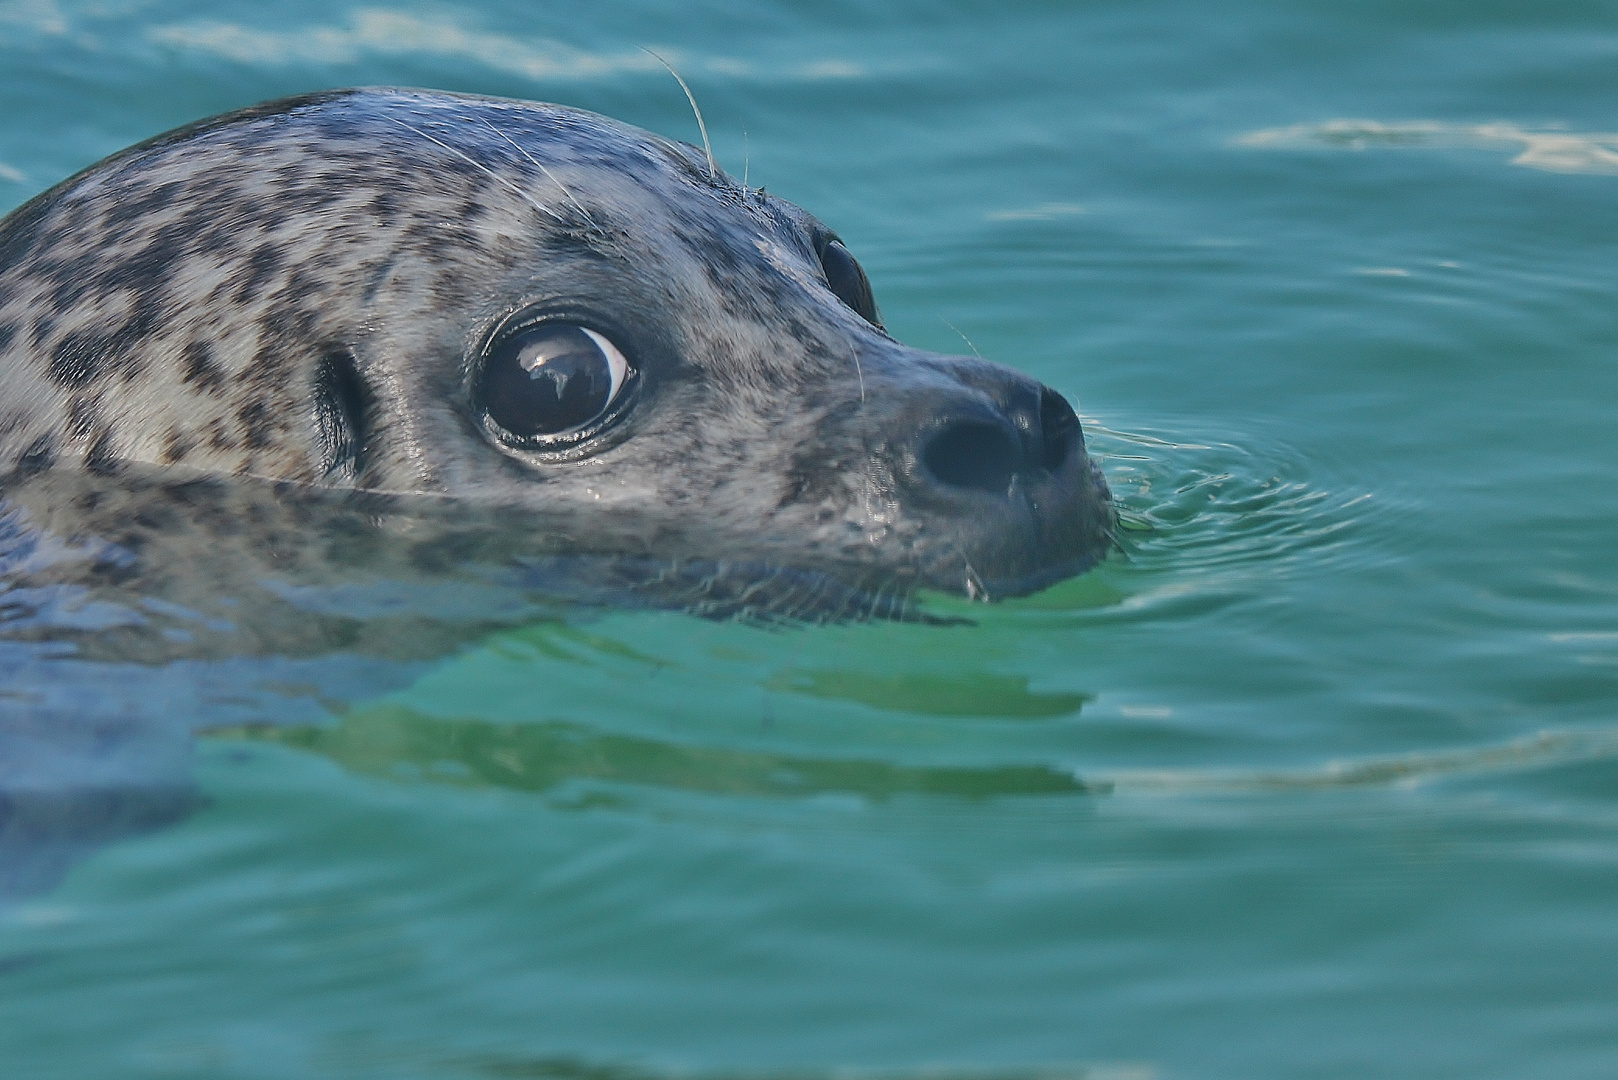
(1317, 780)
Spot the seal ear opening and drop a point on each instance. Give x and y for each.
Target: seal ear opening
(343, 406)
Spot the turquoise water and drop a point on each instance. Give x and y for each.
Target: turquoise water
(1319, 778)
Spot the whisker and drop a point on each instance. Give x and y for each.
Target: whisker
(707, 147)
(963, 337)
(521, 149)
(482, 168)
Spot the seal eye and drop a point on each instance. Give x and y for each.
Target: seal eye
(848, 281)
(551, 379)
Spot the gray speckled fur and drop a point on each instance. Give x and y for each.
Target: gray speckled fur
(165, 314)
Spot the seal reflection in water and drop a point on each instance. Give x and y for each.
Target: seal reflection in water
(433, 344)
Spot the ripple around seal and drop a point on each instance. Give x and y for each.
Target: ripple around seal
(1226, 501)
(1213, 513)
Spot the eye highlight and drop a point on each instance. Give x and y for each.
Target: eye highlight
(551, 380)
(848, 281)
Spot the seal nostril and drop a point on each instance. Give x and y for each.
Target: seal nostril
(973, 454)
(1057, 423)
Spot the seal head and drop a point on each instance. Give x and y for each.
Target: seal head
(517, 314)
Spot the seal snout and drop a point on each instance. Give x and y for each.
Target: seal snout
(997, 493)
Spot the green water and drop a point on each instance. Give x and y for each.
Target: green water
(1318, 780)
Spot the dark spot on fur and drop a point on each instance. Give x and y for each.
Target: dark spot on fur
(200, 369)
(84, 356)
(136, 204)
(43, 328)
(78, 358)
(25, 227)
(385, 206)
(261, 266)
(177, 445)
(291, 316)
(147, 269)
(258, 424)
(219, 437)
(102, 458)
(40, 455)
(156, 516)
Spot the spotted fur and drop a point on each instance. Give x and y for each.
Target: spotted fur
(292, 299)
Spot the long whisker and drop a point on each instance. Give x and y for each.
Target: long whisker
(523, 150)
(707, 147)
(482, 168)
(963, 337)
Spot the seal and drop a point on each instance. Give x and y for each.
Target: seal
(374, 371)
(522, 322)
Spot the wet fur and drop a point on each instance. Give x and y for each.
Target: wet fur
(294, 296)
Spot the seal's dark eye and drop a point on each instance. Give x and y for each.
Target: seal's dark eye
(848, 281)
(551, 379)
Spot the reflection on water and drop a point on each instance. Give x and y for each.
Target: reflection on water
(390, 740)
(977, 694)
(567, 1069)
(1553, 151)
(1545, 749)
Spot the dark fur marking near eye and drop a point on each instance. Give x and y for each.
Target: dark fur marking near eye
(344, 406)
